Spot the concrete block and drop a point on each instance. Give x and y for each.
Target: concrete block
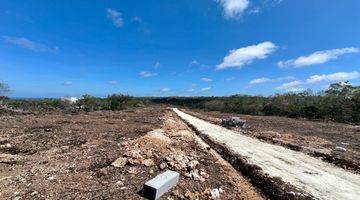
(162, 183)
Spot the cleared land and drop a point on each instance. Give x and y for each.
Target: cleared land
(336, 143)
(319, 179)
(109, 155)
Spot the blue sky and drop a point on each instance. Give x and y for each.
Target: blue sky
(165, 47)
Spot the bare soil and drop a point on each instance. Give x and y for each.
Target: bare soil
(336, 143)
(109, 155)
(297, 175)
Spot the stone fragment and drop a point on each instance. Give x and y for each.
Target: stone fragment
(192, 164)
(120, 162)
(163, 166)
(148, 162)
(215, 194)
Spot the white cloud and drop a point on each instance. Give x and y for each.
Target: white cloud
(246, 55)
(339, 76)
(205, 89)
(266, 80)
(318, 57)
(259, 81)
(196, 65)
(67, 83)
(233, 9)
(113, 82)
(165, 90)
(315, 79)
(194, 62)
(291, 86)
(115, 17)
(29, 44)
(190, 90)
(147, 74)
(206, 79)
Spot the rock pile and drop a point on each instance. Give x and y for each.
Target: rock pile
(187, 165)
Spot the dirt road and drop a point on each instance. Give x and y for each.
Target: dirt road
(313, 176)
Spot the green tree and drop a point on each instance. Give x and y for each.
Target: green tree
(337, 103)
(118, 101)
(90, 103)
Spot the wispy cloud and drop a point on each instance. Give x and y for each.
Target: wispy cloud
(113, 82)
(67, 83)
(299, 85)
(147, 74)
(194, 63)
(254, 11)
(318, 57)
(259, 81)
(266, 80)
(157, 65)
(142, 26)
(339, 76)
(29, 44)
(292, 86)
(246, 55)
(137, 19)
(205, 89)
(190, 90)
(115, 16)
(206, 79)
(233, 9)
(230, 78)
(165, 89)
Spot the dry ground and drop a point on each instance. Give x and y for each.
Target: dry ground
(335, 142)
(109, 155)
(303, 175)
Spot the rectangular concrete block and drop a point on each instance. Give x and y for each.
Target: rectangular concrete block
(162, 183)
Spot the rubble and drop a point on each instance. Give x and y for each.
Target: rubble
(10, 159)
(119, 183)
(148, 162)
(108, 154)
(132, 170)
(163, 166)
(215, 194)
(340, 148)
(120, 162)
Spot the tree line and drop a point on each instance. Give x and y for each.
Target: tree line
(340, 102)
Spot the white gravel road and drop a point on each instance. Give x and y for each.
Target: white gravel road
(320, 179)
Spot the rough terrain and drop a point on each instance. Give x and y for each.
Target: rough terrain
(312, 176)
(336, 143)
(109, 155)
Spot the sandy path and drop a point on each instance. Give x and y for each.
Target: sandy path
(321, 180)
